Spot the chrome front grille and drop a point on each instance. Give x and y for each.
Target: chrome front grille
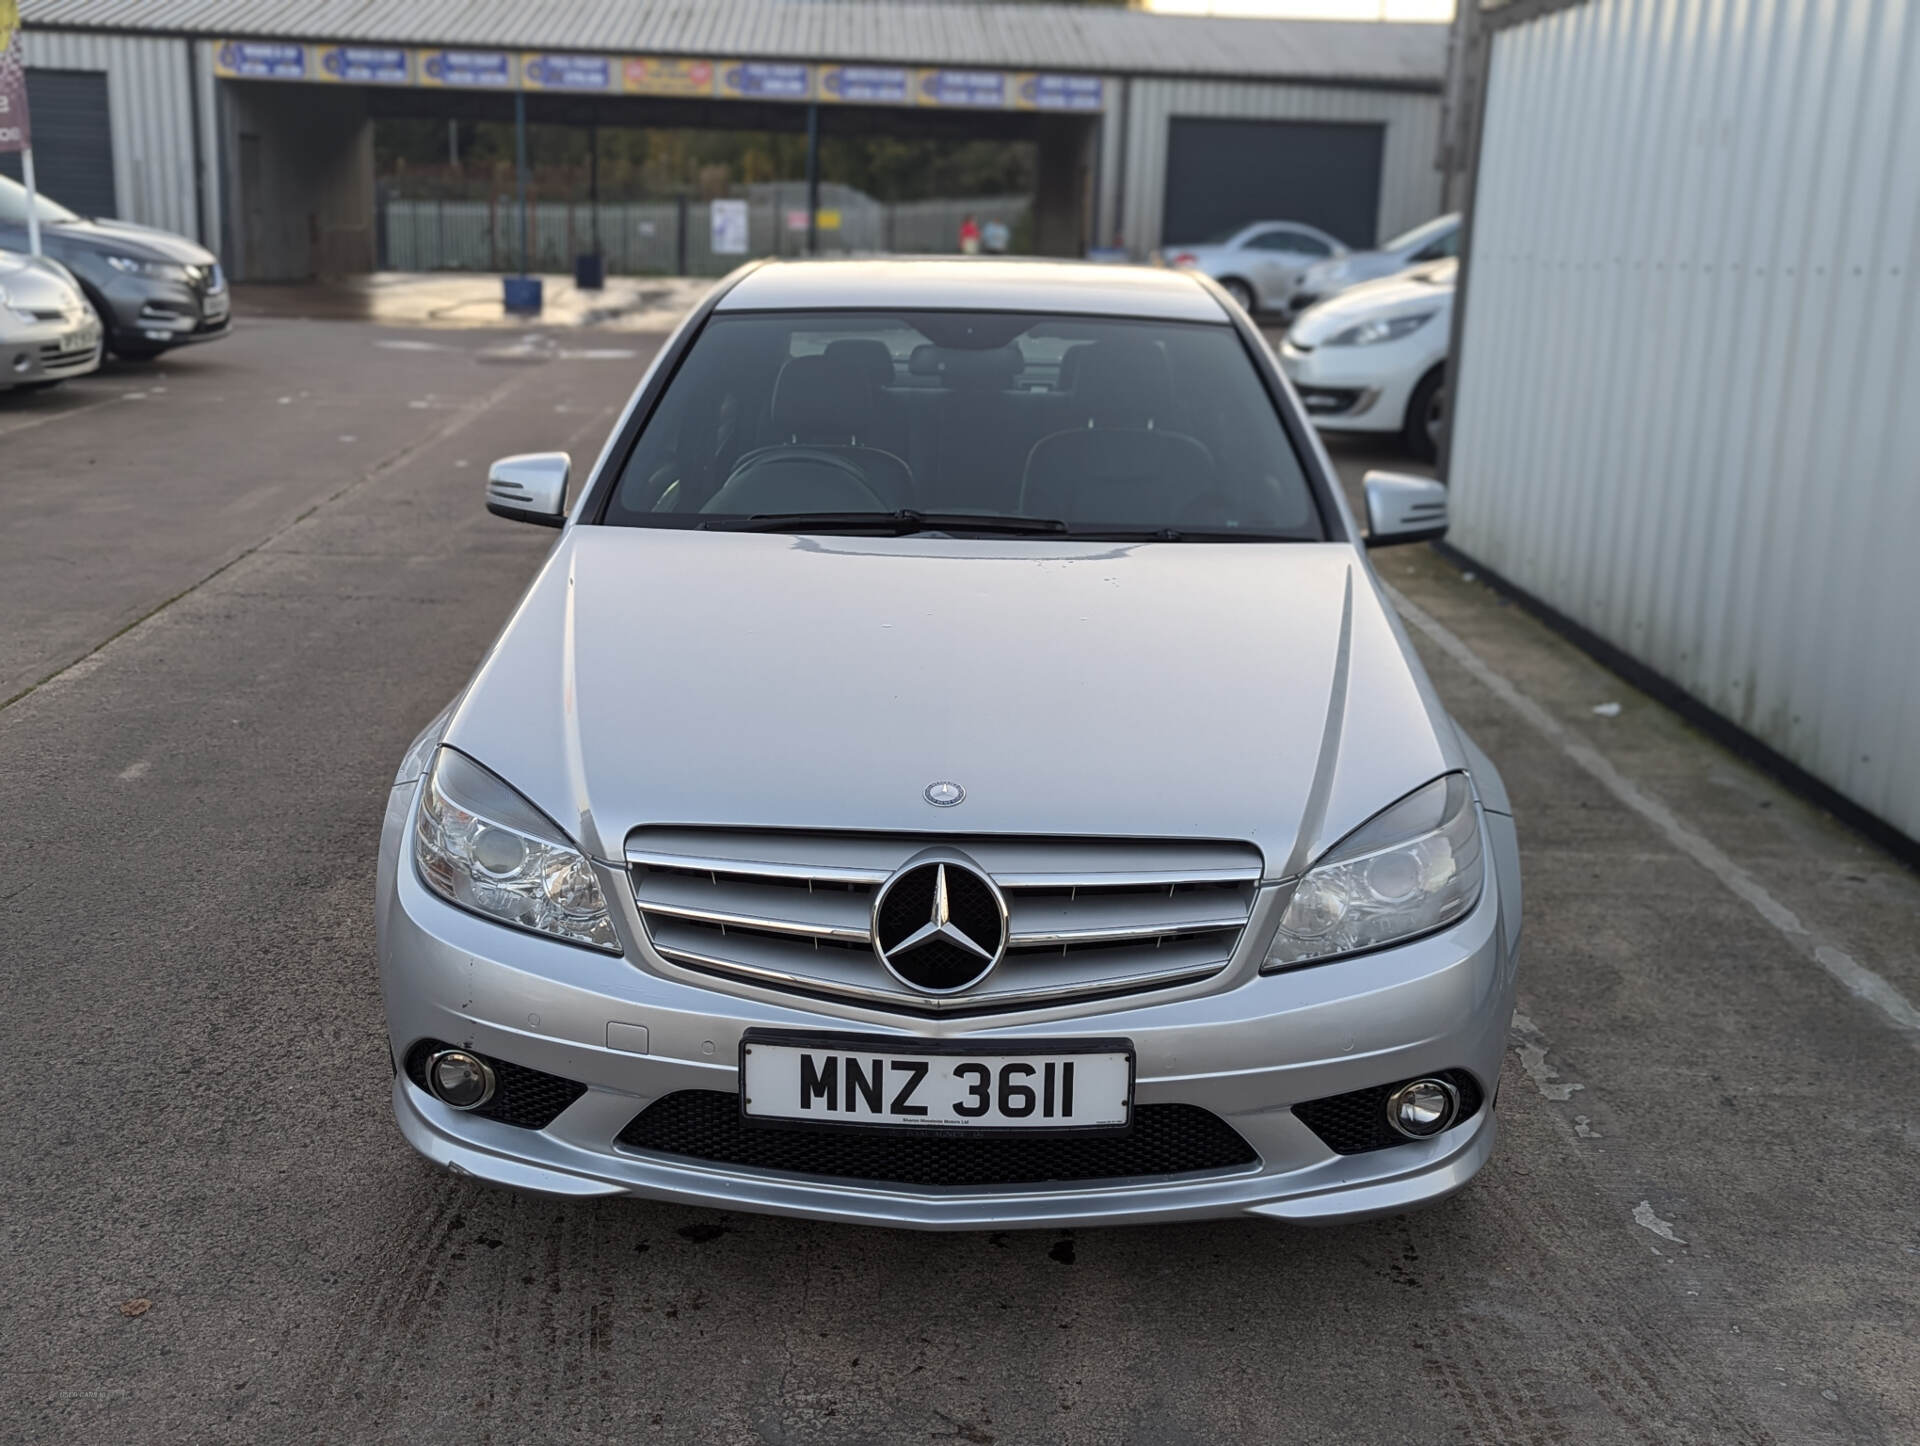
(1085, 917)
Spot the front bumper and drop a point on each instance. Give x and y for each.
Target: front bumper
(1247, 1052)
(147, 312)
(48, 351)
(1356, 388)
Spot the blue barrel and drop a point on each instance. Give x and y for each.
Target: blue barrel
(522, 293)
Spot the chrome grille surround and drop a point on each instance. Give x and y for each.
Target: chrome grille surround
(1085, 917)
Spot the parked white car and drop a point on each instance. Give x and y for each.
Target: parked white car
(1259, 265)
(1435, 240)
(1374, 359)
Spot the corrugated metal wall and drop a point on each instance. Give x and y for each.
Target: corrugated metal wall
(1409, 182)
(150, 98)
(1688, 414)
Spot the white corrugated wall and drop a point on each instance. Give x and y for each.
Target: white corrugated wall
(150, 97)
(1410, 183)
(1689, 408)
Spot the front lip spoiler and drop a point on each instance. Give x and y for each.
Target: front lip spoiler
(1209, 1197)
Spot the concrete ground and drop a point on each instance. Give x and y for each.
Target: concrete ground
(235, 584)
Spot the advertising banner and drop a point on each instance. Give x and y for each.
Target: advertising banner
(261, 60)
(656, 75)
(469, 69)
(364, 64)
(867, 84)
(15, 134)
(983, 89)
(766, 80)
(579, 73)
(1059, 92)
(567, 72)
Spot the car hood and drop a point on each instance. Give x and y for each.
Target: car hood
(1221, 691)
(1425, 288)
(126, 239)
(36, 285)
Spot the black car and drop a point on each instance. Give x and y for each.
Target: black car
(153, 290)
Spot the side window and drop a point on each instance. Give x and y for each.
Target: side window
(1440, 248)
(1308, 245)
(1274, 241)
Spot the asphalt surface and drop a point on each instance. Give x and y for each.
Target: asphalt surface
(229, 605)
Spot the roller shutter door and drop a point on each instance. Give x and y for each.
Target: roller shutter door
(1225, 173)
(72, 141)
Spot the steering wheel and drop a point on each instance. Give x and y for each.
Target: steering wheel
(796, 478)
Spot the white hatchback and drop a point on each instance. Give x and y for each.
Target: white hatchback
(1374, 359)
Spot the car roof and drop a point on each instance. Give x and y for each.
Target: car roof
(949, 283)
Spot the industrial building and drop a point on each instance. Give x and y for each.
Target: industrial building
(1684, 414)
(247, 123)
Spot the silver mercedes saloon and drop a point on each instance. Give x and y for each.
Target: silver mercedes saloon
(956, 768)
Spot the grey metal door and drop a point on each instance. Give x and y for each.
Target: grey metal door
(1225, 173)
(72, 140)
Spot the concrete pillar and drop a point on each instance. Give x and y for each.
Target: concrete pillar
(1062, 201)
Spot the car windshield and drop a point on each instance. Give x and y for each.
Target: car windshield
(1419, 236)
(13, 205)
(968, 422)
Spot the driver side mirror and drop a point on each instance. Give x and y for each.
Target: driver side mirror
(1404, 508)
(530, 487)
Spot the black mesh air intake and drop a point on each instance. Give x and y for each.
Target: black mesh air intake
(529, 1098)
(1164, 1140)
(1356, 1122)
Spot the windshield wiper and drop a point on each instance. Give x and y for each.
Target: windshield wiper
(1180, 534)
(900, 523)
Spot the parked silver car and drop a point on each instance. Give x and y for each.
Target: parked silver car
(48, 333)
(1261, 265)
(956, 768)
(1435, 240)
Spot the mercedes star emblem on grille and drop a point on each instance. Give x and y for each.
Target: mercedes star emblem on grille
(945, 795)
(939, 925)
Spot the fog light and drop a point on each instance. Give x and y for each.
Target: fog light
(1423, 1107)
(462, 1080)
(21, 362)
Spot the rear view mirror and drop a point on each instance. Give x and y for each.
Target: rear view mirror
(1404, 508)
(531, 487)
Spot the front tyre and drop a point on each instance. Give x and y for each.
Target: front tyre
(1241, 293)
(1425, 426)
(135, 351)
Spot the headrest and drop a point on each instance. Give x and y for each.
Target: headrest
(817, 398)
(1123, 384)
(982, 370)
(866, 355)
(925, 360)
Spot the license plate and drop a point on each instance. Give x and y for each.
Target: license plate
(79, 340)
(215, 308)
(1004, 1085)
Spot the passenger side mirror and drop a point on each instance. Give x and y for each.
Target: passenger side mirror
(1404, 508)
(531, 487)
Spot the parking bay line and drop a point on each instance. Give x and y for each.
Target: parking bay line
(468, 413)
(1858, 980)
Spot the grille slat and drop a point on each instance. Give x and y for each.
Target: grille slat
(1085, 917)
(1165, 1140)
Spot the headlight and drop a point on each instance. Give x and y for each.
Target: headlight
(1410, 870)
(482, 846)
(158, 270)
(1369, 332)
